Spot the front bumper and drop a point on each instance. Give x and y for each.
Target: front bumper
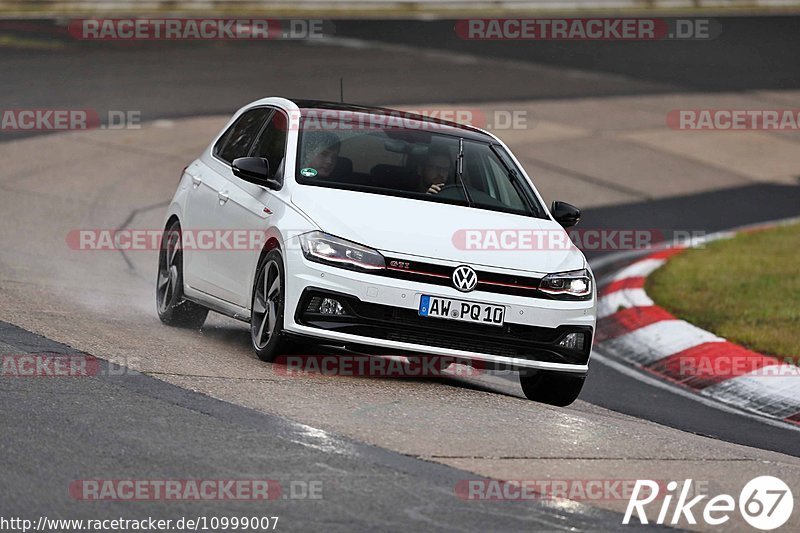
(382, 314)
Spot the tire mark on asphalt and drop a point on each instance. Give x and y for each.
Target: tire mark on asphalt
(132, 215)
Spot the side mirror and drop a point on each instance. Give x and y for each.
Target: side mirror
(254, 170)
(565, 214)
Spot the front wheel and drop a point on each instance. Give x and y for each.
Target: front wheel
(173, 308)
(266, 317)
(554, 388)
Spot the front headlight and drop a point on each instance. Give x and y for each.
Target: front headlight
(576, 284)
(323, 248)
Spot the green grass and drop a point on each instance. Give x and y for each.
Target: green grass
(746, 289)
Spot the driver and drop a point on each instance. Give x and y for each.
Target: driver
(435, 170)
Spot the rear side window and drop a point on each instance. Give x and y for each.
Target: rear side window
(236, 142)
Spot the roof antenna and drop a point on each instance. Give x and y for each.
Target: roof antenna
(341, 90)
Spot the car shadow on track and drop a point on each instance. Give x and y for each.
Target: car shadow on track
(326, 361)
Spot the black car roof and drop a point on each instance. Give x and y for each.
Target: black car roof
(452, 128)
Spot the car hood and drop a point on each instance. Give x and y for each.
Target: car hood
(396, 225)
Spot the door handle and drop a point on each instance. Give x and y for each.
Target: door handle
(196, 180)
(223, 197)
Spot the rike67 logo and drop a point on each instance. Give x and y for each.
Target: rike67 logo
(766, 503)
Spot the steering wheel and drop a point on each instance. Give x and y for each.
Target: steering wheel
(453, 186)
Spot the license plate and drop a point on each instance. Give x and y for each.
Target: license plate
(433, 306)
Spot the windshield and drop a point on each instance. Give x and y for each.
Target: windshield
(414, 163)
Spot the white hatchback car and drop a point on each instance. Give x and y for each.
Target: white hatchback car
(381, 231)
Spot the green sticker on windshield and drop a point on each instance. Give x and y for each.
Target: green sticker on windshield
(308, 172)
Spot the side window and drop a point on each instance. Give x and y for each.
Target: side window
(271, 145)
(237, 140)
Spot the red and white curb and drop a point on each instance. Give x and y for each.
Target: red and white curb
(632, 329)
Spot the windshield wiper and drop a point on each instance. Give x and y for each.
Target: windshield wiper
(460, 170)
(516, 182)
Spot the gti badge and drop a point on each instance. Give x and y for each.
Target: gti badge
(464, 278)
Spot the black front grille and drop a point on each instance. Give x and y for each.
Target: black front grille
(405, 325)
(441, 275)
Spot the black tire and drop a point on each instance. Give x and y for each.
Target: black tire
(173, 308)
(553, 388)
(266, 307)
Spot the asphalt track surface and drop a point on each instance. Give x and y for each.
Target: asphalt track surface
(173, 79)
(90, 423)
(749, 53)
(119, 423)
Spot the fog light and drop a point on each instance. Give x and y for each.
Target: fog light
(573, 341)
(329, 306)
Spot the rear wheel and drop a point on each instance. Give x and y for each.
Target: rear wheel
(173, 308)
(266, 317)
(554, 388)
